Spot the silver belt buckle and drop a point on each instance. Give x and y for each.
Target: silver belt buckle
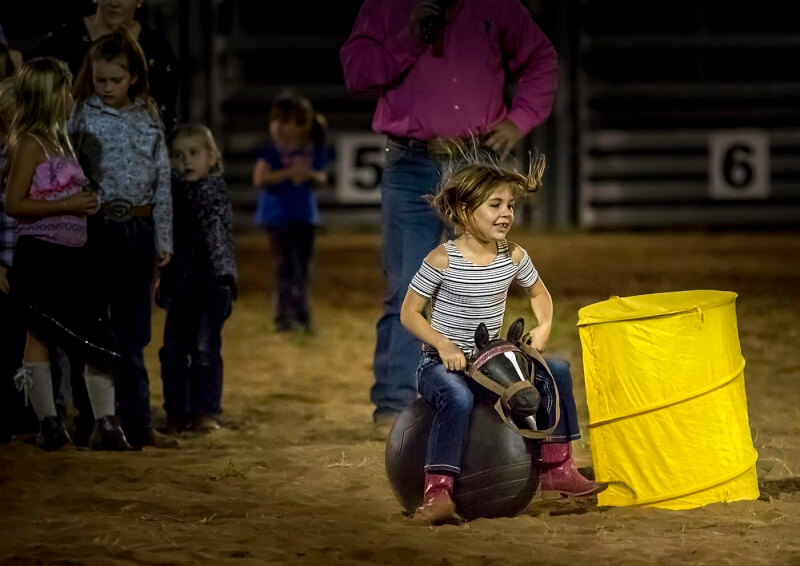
(118, 210)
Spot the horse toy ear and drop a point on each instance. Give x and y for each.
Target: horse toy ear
(481, 336)
(515, 331)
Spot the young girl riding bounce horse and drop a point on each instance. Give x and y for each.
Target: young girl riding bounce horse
(466, 282)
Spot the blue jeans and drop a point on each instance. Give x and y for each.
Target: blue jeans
(191, 359)
(411, 229)
(449, 393)
(567, 428)
(124, 253)
(292, 247)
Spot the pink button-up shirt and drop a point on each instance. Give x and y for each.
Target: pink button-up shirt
(422, 96)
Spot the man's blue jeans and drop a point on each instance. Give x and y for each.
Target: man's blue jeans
(450, 394)
(411, 229)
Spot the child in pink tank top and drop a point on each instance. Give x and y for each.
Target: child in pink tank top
(56, 178)
(50, 279)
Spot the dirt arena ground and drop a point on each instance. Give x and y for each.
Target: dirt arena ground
(295, 477)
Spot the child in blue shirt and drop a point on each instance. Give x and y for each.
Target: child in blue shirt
(288, 170)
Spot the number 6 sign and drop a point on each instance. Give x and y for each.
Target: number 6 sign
(739, 165)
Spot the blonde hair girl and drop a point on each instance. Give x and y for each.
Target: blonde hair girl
(199, 285)
(204, 136)
(43, 103)
(50, 275)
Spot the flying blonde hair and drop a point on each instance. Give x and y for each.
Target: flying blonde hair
(471, 174)
(42, 86)
(203, 134)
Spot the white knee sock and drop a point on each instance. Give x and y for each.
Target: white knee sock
(101, 392)
(37, 382)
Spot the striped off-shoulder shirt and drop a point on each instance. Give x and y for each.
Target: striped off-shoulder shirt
(464, 295)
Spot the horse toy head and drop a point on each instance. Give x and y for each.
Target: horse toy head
(501, 366)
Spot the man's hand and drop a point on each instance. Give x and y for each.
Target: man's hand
(163, 258)
(504, 137)
(423, 9)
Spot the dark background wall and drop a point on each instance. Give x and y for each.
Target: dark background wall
(668, 113)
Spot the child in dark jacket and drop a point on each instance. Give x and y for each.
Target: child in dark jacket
(199, 285)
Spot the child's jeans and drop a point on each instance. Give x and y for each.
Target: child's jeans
(292, 246)
(449, 393)
(191, 359)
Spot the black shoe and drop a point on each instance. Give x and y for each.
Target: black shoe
(82, 437)
(108, 435)
(52, 434)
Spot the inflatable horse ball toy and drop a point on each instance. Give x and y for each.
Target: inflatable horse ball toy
(499, 467)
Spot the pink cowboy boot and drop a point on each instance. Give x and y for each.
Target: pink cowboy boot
(560, 475)
(437, 504)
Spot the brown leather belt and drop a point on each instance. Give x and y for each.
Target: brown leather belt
(120, 210)
(144, 210)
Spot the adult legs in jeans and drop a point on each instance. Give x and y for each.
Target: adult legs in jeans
(411, 229)
(206, 371)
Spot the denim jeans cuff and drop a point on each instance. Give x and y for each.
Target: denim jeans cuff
(562, 438)
(442, 468)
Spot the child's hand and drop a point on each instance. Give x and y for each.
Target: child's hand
(452, 357)
(3, 280)
(537, 338)
(300, 170)
(163, 258)
(84, 203)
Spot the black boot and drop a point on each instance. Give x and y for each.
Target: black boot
(108, 435)
(52, 433)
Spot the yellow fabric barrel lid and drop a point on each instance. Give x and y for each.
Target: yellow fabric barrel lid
(618, 309)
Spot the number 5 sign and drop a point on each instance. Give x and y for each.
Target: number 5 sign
(739, 164)
(359, 167)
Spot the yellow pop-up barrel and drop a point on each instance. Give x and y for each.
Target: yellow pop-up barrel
(665, 387)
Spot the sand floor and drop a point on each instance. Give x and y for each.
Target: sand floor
(295, 476)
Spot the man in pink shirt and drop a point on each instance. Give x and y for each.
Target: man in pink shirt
(439, 68)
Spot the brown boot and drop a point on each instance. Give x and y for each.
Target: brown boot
(437, 504)
(157, 440)
(560, 475)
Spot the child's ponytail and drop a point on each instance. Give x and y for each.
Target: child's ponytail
(319, 128)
